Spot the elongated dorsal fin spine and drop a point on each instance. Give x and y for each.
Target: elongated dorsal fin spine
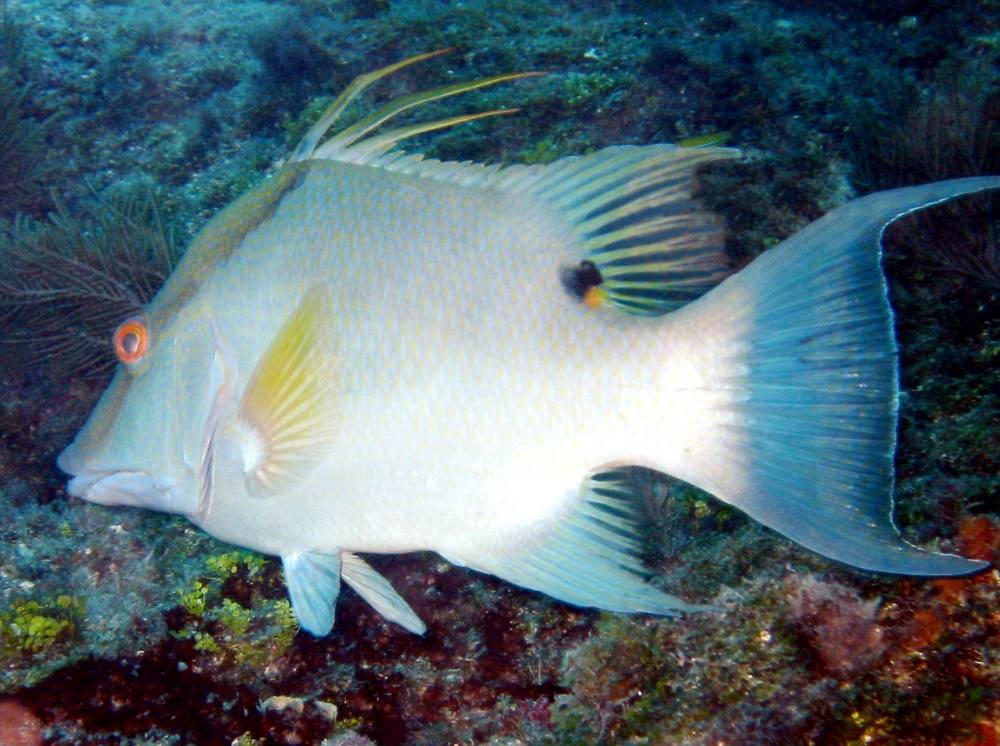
(342, 145)
(308, 144)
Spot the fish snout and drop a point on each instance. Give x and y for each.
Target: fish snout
(119, 487)
(69, 460)
(136, 489)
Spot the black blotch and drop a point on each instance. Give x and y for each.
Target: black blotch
(581, 278)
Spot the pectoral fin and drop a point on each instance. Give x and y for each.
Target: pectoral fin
(313, 582)
(289, 409)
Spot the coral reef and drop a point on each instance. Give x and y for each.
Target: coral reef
(126, 627)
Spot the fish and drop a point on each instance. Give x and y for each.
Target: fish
(374, 352)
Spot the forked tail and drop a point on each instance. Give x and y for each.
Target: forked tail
(808, 446)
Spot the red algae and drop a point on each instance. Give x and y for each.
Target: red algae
(18, 725)
(839, 628)
(923, 630)
(979, 538)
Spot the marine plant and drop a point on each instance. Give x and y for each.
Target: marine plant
(230, 615)
(22, 136)
(12, 56)
(951, 133)
(802, 659)
(66, 282)
(35, 626)
(944, 268)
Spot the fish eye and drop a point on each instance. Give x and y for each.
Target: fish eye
(131, 340)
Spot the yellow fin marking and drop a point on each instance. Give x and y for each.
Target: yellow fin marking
(704, 141)
(288, 413)
(595, 297)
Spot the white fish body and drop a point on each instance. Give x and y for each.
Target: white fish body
(410, 342)
(376, 353)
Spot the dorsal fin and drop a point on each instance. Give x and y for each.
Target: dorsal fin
(653, 248)
(647, 247)
(352, 145)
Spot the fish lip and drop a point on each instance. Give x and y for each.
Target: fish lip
(82, 482)
(83, 479)
(117, 487)
(123, 488)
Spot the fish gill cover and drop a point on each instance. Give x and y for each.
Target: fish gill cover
(122, 626)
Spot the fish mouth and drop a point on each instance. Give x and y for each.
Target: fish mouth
(121, 488)
(116, 488)
(69, 462)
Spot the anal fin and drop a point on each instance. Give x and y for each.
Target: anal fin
(592, 555)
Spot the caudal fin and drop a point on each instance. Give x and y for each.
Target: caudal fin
(808, 445)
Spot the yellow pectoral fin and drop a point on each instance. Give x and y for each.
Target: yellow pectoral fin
(289, 409)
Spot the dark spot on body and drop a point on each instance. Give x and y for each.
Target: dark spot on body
(581, 278)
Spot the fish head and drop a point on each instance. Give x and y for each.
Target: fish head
(148, 442)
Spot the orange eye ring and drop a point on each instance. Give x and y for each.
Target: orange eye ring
(131, 340)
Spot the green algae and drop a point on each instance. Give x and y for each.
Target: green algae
(236, 613)
(31, 627)
(37, 636)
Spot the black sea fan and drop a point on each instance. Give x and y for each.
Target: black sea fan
(953, 133)
(22, 136)
(66, 283)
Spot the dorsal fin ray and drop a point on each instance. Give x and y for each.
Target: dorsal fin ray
(646, 246)
(372, 147)
(304, 150)
(339, 146)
